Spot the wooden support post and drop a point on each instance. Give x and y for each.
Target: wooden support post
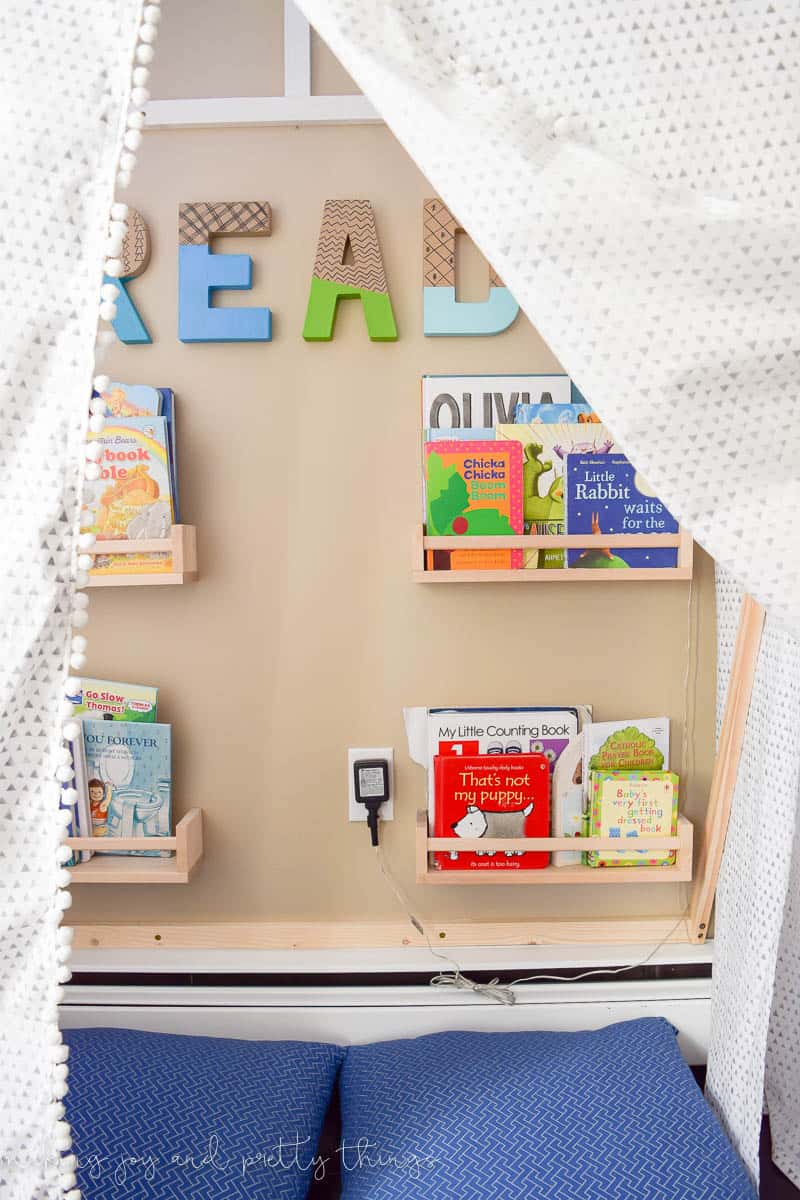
(726, 766)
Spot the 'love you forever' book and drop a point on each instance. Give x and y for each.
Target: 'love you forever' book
(491, 797)
(129, 772)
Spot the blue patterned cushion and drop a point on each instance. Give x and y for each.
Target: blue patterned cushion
(169, 1117)
(612, 1114)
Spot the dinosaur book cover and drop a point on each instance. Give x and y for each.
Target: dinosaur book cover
(132, 498)
(545, 448)
(609, 495)
(491, 797)
(473, 489)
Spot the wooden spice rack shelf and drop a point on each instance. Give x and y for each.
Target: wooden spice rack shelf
(427, 872)
(181, 544)
(682, 540)
(187, 845)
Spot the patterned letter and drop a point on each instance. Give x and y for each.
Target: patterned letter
(443, 315)
(127, 324)
(200, 272)
(350, 221)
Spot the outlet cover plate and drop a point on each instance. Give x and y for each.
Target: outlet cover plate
(356, 811)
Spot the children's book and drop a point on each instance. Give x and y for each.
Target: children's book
(555, 414)
(638, 745)
(491, 796)
(125, 400)
(129, 768)
(82, 820)
(100, 699)
(473, 488)
(609, 495)
(567, 800)
(469, 732)
(168, 413)
(630, 805)
(483, 401)
(132, 497)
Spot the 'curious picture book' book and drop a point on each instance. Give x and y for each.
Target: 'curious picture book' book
(473, 488)
(100, 699)
(608, 495)
(491, 796)
(630, 805)
(132, 497)
(129, 769)
(545, 448)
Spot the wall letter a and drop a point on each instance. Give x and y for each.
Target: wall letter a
(350, 221)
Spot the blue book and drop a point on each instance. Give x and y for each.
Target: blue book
(129, 780)
(606, 494)
(168, 413)
(552, 414)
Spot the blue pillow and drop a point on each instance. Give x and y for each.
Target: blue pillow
(612, 1114)
(164, 1116)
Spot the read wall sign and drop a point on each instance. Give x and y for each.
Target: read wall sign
(348, 264)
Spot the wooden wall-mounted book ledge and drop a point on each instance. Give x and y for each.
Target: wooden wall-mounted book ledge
(427, 872)
(681, 540)
(181, 545)
(187, 845)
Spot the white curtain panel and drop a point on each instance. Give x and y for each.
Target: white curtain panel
(65, 73)
(632, 173)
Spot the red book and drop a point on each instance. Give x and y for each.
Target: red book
(491, 796)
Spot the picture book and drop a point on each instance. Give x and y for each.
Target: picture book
(132, 497)
(101, 699)
(476, 731)
(483, 401)
(168, 413)
(555, 414)
(82, 819)
(473, 488)
(131, 400)
(491, 796)
(545, 448)
(129, 781)
(609, 495)
(638, 745)
(629, 805)
(566, 801)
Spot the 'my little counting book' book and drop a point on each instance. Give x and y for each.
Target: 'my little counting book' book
(473, 488)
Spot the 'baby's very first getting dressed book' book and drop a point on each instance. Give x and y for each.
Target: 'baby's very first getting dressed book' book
(629, 805)
(129, 768)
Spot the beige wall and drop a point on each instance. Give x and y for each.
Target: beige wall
(305, 634)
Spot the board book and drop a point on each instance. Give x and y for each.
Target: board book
(132, 498)
(567, 804)
(101, 699)
(609, 495)
(545, 448)
(129, 768)
(483, 401)
(473, 488)
(629, 805)
(491, 796)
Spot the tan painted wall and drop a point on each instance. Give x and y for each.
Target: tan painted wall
(299, 467)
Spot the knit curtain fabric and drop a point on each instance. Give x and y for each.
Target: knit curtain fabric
(65, 72)
(631, 171)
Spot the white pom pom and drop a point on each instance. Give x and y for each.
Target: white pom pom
(62, 880)
(63, 1143)
(79, 642)
(65, 774)
(98, 405)
(109, 291)
(139, 96)
(132, 141)
(80, 619)
(61, 1129)
(69, 795)
(85, 562)
(123, 179)
(64, 755)
(74, 1194)
(135, 120)
(72, 685)
(119, 211)
(63, 901)
(113, 245)
(113, 268)
(148, 34)
(63, 854)
(60, 1089)
(151, 14)
(67, 1179)
(65, 935)
(127, 160)
(70, 730)
(66, 708)
(88, 539)
(81, 578)
(91, 471)
(108, 311)
(68, 1163)
(144, 54)
(79, 600)
(140, 76)
(101, 383)
(94, 452)
(117, 229)
(97, 423)
(63, 819)
(78, 661)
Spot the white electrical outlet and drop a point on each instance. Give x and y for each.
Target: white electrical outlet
(356, 811)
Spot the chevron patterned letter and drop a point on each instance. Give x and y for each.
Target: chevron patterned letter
(349, 222)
